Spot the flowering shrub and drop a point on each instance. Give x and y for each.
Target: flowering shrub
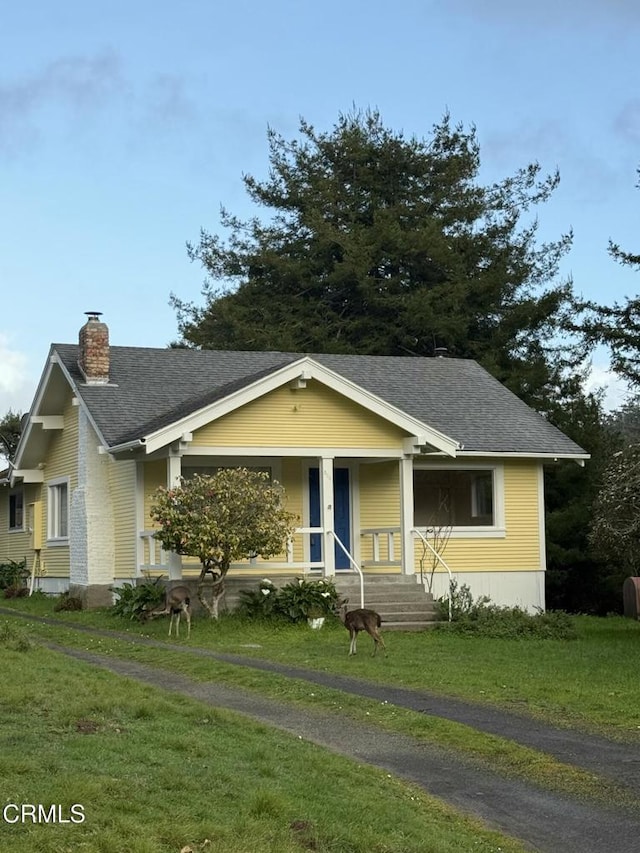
(296, 601)
(260, 603)
(303, 599)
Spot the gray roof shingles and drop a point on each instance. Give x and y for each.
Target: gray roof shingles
(152, 388)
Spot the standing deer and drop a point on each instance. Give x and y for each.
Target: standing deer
(361, 620)
(177, 603)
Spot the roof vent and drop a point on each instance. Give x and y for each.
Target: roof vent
(440, 352)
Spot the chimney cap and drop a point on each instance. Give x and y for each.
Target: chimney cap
(440, 352)
(93, 315)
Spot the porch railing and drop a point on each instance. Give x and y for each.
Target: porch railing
(353, 564)
(382, 545)
(154, 558)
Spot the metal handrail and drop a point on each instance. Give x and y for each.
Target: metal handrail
(416, 532)
(353, 563)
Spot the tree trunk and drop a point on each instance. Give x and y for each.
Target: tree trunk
(215, 589)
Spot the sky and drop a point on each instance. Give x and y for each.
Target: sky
(126, 125)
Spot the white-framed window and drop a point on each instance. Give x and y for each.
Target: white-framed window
(16, 510)
(58, 510)
(469, 499)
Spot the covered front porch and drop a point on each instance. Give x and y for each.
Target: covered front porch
(356, 515)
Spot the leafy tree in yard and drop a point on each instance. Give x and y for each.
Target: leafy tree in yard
(381, 244)
(10, 432)
(579, 578)
(220, 519)
(616, 524)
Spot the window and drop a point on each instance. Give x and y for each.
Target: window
(58, 527)
(448, 497)
(16, 510)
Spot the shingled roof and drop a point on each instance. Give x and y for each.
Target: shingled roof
(153, 388)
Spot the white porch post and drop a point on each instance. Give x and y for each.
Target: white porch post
(406, 514)
(327, 515)
(174, 472)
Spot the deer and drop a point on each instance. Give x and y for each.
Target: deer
(177, 603)
(361, 619)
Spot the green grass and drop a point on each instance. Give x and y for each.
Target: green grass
(592, 682)
(557, 680)
(155, 773)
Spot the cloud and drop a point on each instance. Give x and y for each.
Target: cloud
(16, 383)
(79, 84)
(82, 88)
(615, 390)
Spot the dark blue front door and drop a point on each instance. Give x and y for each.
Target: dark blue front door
(341, 514)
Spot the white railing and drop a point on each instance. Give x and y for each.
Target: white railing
(381, 537)
(158, 558)
(154, 558)
(353, 563)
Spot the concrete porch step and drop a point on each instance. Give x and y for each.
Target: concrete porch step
(400, 600)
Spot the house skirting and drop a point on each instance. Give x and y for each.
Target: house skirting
(506, 589)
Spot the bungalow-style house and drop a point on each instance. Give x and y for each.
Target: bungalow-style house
(384, 460)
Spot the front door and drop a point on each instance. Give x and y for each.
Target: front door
(341, 515)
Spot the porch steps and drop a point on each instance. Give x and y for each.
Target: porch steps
(400, 600)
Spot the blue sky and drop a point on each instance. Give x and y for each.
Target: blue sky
(124, 126)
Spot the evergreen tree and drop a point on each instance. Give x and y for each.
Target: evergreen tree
(10, 432)
(618, 326)
(381, 244)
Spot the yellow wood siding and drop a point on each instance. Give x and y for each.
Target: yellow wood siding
(122, 487)
(519, 549)
(155, 475)
(379, 505)
(313, 416)
(62, 461)
(17, 545)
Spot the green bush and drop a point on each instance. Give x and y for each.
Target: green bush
(68, 602)
(296, 601)
(302, 599)
(482, 618)
(259, 603)
(135, 599)
(13, 574)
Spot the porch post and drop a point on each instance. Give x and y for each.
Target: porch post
(174, 472)
(327, 515)
(406, 514)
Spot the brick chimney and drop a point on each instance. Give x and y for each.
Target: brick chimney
(94, 349)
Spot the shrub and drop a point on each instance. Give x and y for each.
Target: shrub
(13, 575)
(259, 603)
(296, 601)
(134, 599)
(303, 599)
(482, 618)
(68, 601)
